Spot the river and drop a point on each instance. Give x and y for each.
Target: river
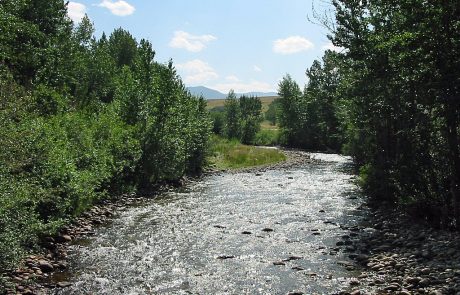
(266, 232)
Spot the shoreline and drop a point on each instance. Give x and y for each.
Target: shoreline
(393, 254)
(398, 256)
(294, 158)
(34, 275)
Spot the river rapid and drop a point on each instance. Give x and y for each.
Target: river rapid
(270, 231)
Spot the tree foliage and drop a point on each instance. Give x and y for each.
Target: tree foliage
(309, 119)
(83, 119)
(391, 99)
(242, 117)
(403, 59)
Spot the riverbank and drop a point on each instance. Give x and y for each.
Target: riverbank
(40, 271)
(293, 158)
(388, 252)
(398, 256)
(225, 154)
(208, 236)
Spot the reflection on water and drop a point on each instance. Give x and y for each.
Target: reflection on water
(270, 233)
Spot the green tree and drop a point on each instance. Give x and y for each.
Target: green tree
(122, 47)
(289, 118)
(250, 110)
(272, 112)
(402, 87)
(232, 116)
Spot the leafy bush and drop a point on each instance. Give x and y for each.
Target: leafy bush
(267, 137)
(218, 123)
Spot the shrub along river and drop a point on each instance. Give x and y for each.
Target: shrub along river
(270, 231)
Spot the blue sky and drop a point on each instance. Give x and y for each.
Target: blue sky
(245, 45)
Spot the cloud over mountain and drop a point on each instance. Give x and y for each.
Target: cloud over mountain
(196, 72)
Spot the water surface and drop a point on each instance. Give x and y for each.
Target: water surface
(223, 234)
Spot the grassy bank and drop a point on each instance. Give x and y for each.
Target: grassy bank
(230, 154)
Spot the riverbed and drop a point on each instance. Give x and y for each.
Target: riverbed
(268, 231)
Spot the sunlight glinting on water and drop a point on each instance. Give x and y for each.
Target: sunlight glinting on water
(222, 235)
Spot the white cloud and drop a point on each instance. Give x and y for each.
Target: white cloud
(293, 44)
(232, 78)
(257, 69)
(240, 87)
(190, 42)
(197, 72)
(76, 11)
(120, 8)
(330, 46)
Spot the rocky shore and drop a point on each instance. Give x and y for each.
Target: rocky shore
(390, 253)
(39, 273)
(399, 256)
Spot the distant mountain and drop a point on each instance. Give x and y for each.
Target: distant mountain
(209, 93)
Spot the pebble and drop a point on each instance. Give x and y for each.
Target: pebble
(379, 281)
(412, 280)
(64, 284)
(45, 266)
(311, 274)
(424, 282)
(392, 288)
(425, 271)
(293, 257)
(224, 257)
(345, 263)
(66, 238)
(279, 263)
(354, 282)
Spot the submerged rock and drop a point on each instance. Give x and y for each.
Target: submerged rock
(224, 257)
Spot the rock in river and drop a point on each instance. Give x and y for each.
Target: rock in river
(45, 266)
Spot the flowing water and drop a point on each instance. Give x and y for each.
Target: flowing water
(270, 232)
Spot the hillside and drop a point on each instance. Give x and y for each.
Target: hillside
(209, 93)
